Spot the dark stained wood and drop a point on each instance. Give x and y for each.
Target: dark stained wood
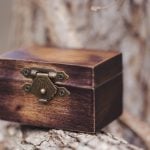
(108, 101)
(79, 76)
(104, 63)
(107, 70)
(71, 113)
(95, 84)
(77, 57)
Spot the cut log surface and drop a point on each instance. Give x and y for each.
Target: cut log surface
(15, 137)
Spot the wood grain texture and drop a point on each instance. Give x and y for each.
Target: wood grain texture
(105, 64)
(108, 69)
(79, 57)
(71, 113)
(44, 139)
(92, 104)
(11, 69)
(108, 101)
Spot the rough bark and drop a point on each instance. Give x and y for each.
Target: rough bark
(96, 24)
(27, 138)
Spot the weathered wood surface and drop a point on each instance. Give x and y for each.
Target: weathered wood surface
(92, 103)
(104, 65)
(27, 138)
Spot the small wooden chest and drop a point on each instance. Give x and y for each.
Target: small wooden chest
(76, 90)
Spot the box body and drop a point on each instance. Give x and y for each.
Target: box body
(95, 85)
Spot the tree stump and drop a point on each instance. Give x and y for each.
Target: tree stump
(15, 137)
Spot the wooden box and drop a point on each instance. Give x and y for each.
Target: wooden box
(76, 90)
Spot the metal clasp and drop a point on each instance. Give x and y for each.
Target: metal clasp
(44, 83)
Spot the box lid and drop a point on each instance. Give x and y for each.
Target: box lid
(86, 68)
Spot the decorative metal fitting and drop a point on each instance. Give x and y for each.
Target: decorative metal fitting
(44, 83)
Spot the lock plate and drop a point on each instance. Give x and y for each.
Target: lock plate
(44, 83)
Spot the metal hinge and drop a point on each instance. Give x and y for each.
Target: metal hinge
(44, 83)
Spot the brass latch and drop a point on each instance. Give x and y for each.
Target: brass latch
(44, 83)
